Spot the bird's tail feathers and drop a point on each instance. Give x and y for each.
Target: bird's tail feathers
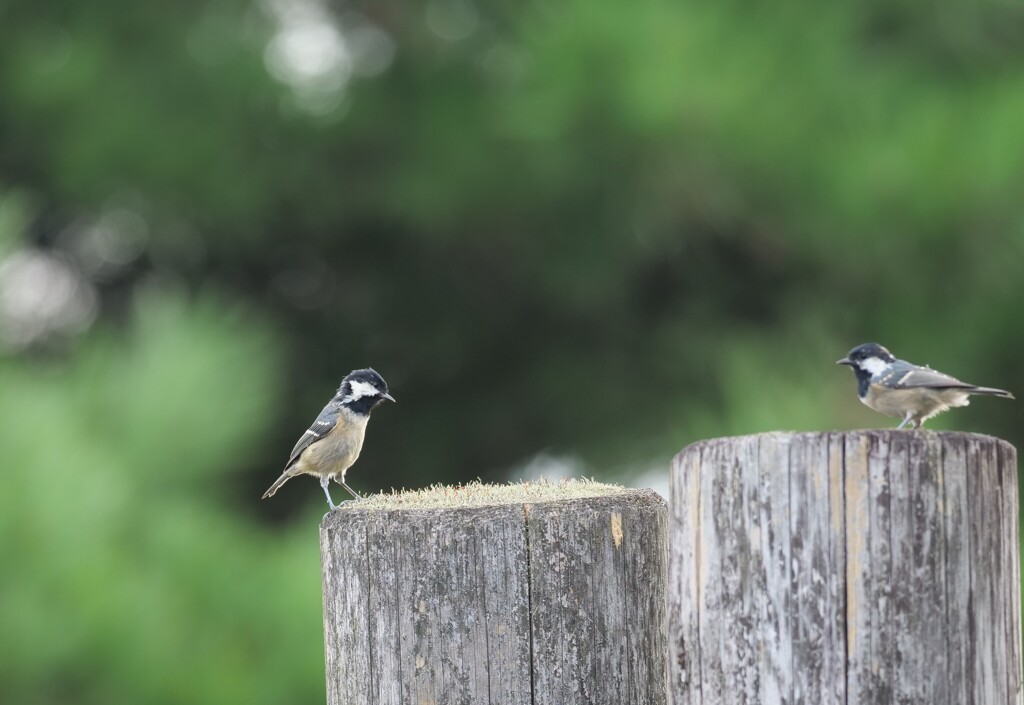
(277, 485)
(992, 391)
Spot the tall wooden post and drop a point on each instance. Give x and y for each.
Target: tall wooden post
(871, 567)
(500, 597)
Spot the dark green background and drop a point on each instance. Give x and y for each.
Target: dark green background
(592, 231)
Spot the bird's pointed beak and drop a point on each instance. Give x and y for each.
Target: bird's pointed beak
(389, 397)
(845, 361)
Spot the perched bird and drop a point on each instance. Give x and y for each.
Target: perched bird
(899, 388)
(332, 444)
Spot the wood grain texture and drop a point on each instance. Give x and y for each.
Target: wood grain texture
(685, 678)
(870, 567)
(543, 603)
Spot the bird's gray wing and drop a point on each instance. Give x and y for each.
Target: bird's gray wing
(327, 420)
(903, 375)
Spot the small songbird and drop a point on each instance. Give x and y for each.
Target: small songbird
(899, 388)
(332, 444)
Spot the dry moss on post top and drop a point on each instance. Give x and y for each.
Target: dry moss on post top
(479, 494)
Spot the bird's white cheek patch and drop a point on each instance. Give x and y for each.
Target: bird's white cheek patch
(873, 365)
(360, 390)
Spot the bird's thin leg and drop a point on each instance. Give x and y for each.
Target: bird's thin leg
(906, 420)
(323, 483)
(341, 481)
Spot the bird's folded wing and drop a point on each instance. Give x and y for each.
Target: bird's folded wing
(327, 419)
(910, 377)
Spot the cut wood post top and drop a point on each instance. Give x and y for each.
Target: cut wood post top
(879, 434)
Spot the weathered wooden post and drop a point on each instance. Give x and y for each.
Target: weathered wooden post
(535, 594)
(872, 567)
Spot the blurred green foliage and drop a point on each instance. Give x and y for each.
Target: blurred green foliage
(124, 578)
(592, 229)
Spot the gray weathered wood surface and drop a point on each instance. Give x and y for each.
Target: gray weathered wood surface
(546, 603)
(871, 567)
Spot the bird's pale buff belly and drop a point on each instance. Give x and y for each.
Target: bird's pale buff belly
(922, 401)
(336, 453)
